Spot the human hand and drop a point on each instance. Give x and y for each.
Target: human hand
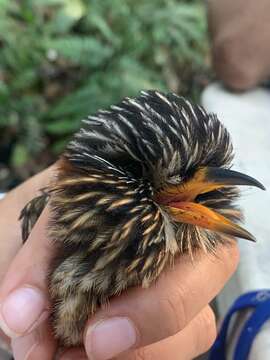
(170, 320)
(240, 37)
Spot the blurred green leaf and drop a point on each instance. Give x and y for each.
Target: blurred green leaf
(20, 155)
(62, 127)
(59, 146)
(80, 50)
(61, 60)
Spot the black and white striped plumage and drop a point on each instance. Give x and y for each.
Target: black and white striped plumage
(108, 230)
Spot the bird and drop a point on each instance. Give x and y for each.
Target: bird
(141, 183)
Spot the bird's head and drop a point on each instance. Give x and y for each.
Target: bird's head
(155, 168)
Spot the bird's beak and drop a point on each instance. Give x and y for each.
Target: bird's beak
(180, 200)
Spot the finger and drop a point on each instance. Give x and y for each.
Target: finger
(10, 208)
(239, 59)
(37, 345)
(144, 316)
(197, 337)
(23, 294)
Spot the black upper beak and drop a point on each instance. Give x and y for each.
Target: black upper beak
(231, 177)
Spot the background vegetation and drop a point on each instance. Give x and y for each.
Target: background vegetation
(63, 59)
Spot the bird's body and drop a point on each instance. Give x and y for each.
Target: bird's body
(135, 188)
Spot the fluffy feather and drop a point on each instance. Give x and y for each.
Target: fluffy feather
(109, 233)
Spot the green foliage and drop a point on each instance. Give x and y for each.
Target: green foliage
(63, 59)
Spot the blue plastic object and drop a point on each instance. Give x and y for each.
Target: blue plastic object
(260, 302)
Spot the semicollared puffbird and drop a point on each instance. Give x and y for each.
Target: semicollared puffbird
(140, 183)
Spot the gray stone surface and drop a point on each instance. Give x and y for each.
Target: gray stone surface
(4, 353)
(247, 117)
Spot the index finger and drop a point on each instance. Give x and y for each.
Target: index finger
(10, 208)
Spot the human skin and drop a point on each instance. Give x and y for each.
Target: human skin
(170, 320)
(240, 38)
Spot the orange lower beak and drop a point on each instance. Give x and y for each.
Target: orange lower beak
(199, 215)
(180, 200)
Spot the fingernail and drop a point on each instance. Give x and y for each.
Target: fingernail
(23, 347)
(109, 338)
(21, 311)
